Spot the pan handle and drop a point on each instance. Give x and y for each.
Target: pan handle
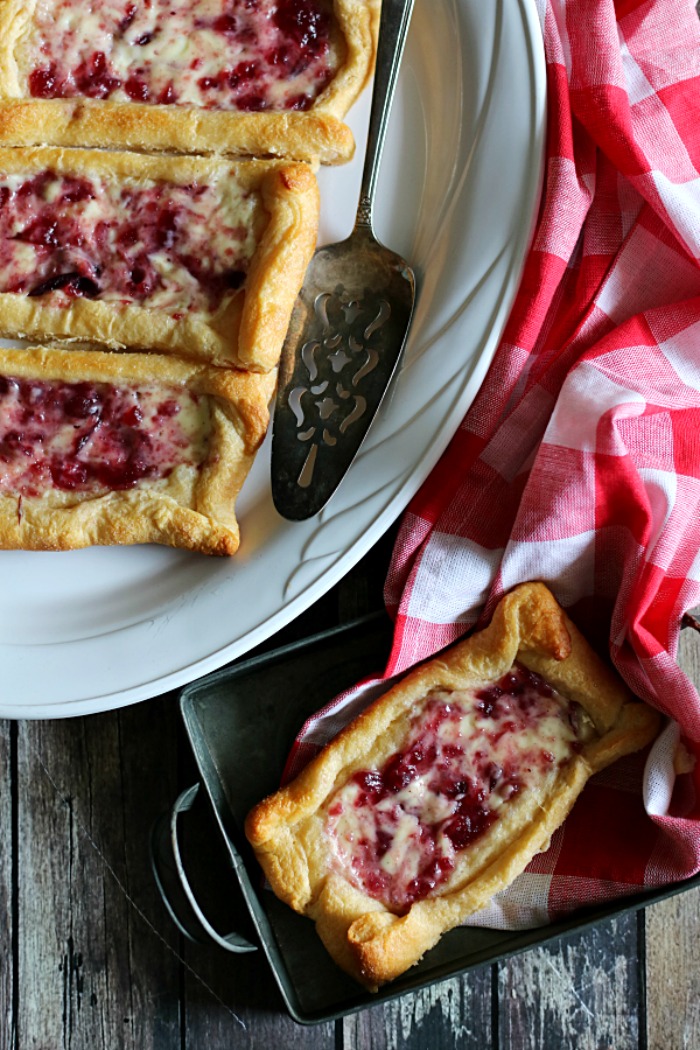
(173, 884)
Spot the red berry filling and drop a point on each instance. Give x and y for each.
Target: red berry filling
(397, 830)
(237, 54)
(161, 245)
(93, 437)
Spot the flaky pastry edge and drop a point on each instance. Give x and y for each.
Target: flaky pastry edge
(194, 508)
(317, 133)
(367, 940)
(246, 332)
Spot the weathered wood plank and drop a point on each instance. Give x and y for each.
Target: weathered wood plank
(7, 846)
(673, 973)
(582, 992)
(95, 968)
(673, 941)
(589, 990)
(233, 1000)
(455, 1013)
(98, 971)
(236, 1004)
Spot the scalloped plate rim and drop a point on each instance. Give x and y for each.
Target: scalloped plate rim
(475, 369)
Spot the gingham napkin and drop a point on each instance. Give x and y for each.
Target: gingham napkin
(579, 462)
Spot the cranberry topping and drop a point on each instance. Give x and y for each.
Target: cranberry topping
(71, 283)
(87, 436)
(117, 247)
(302, 22)
(471, 819)
(283, 49)
(167, 95)
(129, 15)
(94, 77)
(252, 103)
(74, 189)
(137, 89)
(300, 102)
(225, 24)
(397, 830)
(44, 82)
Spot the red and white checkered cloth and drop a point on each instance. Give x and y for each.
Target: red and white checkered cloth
(579, 461)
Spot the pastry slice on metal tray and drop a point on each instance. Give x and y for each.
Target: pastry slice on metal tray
(201, 257)
(440, 793)
(99, 448)
(273, 77)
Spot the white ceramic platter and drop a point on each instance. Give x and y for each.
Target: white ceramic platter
(92, 630)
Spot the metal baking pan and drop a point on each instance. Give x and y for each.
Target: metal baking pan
(240, 723)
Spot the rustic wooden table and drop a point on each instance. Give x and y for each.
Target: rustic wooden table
(91, 959)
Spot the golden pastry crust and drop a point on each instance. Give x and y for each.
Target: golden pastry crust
(192, 508)
(249, 328)
(318, 133)
(287, 830)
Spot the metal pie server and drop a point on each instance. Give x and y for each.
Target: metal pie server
(348, 327)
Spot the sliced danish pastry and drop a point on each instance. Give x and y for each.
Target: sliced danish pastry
(253, 77)
(439, 794)
(99, 448)
(201, 257)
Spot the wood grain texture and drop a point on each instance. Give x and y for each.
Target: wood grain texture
(582, 992)
(228, 1000)
(233, 1001)
(673, 940)
(453, 1013)
(8, 840)
(100, 965)
(247, 1013)
(94, 956)
(673, 973)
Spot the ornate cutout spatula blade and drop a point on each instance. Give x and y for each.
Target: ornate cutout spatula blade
(348, 328)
